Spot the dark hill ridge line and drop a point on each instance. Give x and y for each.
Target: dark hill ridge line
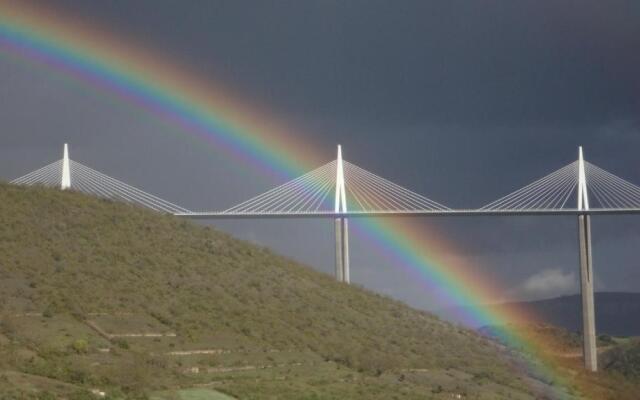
(69, 256)
(616, 312)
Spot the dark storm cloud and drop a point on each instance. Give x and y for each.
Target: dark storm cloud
(481, 62)
(463, 101)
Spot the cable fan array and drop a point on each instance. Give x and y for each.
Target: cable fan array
(558, 191)
(609, 190)
(49, 176)
(90, 181)
(315, 191)
(366, 192)
(548, 193)
(372, 192)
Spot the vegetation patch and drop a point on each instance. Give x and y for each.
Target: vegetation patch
(80, 277)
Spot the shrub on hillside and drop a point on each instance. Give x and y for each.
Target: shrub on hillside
(624, 360)
(80, 346)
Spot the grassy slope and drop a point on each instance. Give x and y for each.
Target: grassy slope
(624, 359)
(70, 264)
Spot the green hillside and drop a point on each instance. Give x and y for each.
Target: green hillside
(624, 359)
(98, 295)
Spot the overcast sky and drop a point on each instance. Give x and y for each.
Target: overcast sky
(460, 101)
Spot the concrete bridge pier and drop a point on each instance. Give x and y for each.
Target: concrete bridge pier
(586, 289)
(339, 257)
(342, 250)
(341, 223)
(346, 275)
(589, 349)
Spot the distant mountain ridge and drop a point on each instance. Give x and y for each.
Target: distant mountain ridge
(616, 312)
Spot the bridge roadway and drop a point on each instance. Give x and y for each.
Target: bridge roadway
(409, 213)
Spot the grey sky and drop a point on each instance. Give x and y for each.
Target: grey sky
(461, 101)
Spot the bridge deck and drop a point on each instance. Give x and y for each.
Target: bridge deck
(410, 213)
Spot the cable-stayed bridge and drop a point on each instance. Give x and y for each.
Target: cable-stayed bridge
(366, 194)
(341, 190)
(68, 174)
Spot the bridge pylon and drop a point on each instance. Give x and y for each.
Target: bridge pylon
(341, 224)
(586, 272)
(65, 182)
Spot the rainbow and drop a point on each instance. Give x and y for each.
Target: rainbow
(211, 113)
(169, 91)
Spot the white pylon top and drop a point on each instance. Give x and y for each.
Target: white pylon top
(341, 197)
(65, 182)
(583, 197)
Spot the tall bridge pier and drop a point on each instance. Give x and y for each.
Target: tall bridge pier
(341, 224)
(586, 290)
(589, 348)
(342, 250)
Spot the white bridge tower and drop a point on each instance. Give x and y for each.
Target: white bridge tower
(341, 224)
(65, 182)
(586, 272)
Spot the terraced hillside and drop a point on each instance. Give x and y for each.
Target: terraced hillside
(104, 297)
